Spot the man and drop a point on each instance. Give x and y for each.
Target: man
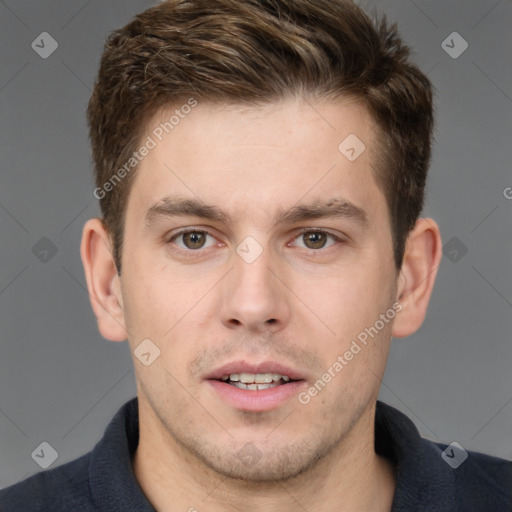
(261, 166)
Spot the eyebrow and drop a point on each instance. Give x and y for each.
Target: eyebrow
(333, 208)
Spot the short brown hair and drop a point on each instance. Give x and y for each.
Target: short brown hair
(255, 52)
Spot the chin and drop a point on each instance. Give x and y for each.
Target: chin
(271, 464)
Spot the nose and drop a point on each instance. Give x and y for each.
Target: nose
(253, 298)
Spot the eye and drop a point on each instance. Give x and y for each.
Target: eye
(192, 240)
(316, 239)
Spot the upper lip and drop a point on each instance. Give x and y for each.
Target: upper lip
(264, 367)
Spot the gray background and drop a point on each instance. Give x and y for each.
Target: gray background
(60, 382)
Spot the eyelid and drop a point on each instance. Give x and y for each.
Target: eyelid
(317, 230)
(302, 231)
(170, 238)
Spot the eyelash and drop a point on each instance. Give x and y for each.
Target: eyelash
(201, 231)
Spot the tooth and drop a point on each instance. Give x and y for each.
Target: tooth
(253, 386)
(259, 378)
(263, 378)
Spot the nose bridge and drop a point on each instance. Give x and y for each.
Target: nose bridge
(252, 295)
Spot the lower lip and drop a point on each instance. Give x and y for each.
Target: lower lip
(256, 400)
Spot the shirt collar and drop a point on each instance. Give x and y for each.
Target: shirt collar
(111, 476)
(424, 482)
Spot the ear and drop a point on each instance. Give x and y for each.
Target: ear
(422, 257)
(102, 280)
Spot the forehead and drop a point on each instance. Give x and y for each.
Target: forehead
(259, 158)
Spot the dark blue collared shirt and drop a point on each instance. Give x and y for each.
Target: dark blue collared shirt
(103, 479)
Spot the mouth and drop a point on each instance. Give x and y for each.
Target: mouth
(255, 387)
(255, 381)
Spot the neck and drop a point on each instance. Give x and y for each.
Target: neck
(352, 477)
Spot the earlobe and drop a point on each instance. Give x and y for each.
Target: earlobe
(417, 276)
(102, 280)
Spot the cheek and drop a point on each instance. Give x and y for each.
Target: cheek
(349, 300)
(148, 305)
(352, 305)
(164, 307)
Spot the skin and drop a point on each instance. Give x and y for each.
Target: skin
(294, 304)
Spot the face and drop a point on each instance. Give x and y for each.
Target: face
(255, 250)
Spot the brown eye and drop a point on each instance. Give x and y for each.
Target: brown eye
(194, 239)
(315, 239)
(193, 242)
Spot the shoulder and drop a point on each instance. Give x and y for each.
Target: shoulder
(482, 482)
(61, 489)
(438, 476)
